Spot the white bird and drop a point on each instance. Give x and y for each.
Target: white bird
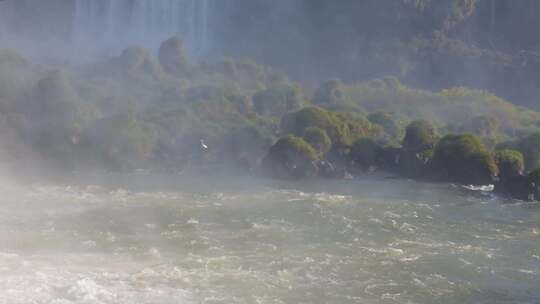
(204, 147)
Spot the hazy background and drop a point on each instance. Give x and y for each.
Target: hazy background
(488, 44)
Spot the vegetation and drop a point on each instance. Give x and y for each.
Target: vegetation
(391, 124)
(530, 147)
(420, 135)
(365, 153)
(133, 111)
(279, 100)
(464, 159)
(510, 163)
(291, 157)
(318, 139)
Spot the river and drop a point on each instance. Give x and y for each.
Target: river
(151, 239)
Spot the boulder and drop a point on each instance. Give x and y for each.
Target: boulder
(464, 159)
(172, 56)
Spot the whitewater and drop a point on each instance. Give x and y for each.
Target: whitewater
(163, 239)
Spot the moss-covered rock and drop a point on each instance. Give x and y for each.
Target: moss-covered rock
(420, 135)
(510, 163)
(464, 159)
(291, 157)
(172, 56)
(318, 139)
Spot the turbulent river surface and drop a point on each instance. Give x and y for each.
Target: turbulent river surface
(149, 239)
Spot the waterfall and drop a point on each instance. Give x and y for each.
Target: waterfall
(114, 24)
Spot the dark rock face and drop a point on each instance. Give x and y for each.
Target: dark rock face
(518, 187)
(415, 165)
(172, 56)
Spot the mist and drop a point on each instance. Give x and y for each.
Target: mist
(258, 151)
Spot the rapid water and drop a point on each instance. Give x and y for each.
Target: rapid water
(153, 240)
(115, 24)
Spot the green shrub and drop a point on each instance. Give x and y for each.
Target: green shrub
(464, 159)
(278, 100)
(342, 128)
(510, 163)
(297, 122)
(318, 139)
(420, 135)
(291, 157)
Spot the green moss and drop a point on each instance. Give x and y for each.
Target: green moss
(464, 159)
